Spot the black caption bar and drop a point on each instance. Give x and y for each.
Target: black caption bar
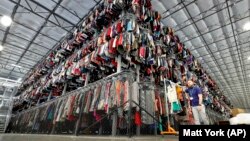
(220, 132)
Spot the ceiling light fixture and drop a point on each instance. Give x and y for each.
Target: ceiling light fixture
(17, 66)
(246, 26)
(1, 47)
(8, 80)
(6, 21)
(248, 58)
(19, 79)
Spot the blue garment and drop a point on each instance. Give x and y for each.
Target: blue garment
(193, 94)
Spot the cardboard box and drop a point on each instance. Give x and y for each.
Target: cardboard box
(237, 111)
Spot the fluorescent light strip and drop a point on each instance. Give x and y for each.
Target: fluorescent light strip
(16, 66)
(10, 80)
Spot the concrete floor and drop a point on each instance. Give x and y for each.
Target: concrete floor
(35, 137)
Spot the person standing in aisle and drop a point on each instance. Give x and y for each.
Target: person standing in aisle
(195, 103)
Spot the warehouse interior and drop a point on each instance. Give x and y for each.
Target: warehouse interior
(215, 32)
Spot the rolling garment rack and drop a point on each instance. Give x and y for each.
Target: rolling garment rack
(170, 130)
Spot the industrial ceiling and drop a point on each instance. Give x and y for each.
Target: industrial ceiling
(214, 31)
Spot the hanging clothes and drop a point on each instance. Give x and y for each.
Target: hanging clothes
(107, 96)
(158, 102)
(102, 98)
(70, 115)
(88, 102)
(135, 93)
(147, 101)
(96, 96)
(126, 95)
(138, 121)
(172, 98)
(112, 100)
(60, 111)
(171, 92)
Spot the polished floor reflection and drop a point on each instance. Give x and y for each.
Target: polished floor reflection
(35, 137)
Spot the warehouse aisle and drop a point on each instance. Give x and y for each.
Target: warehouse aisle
(35, 137)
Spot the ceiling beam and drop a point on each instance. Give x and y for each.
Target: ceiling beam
(227, 67)
(16, 54)
(20, 72)
(238, 50)
(228, 24)
(8, 28)
(237, 61)
(18, 23)
(204, 17)
(53, 11)
(217, 40)
(73, 13)
(37, 33)
(4, 58)
(9, 33)
(224, 31)
(7, 43)
(221, 51)
(31, 11)
(175, 7)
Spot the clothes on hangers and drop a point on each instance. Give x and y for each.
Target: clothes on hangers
(147, 101)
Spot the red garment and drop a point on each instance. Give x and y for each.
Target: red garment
(97, 116)
(138, 121)
(148, 4)
(108, 34)
(137, 2)
(119, 27)
(142, 52)
(111, 50)
(71, 117)
(180, 47)
(120, 40)
(149, 71)
(114, 63)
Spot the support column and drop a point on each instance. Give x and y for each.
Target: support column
(87, 79)
(130, 107)
(64, 88)
(119, 63)
(138, 128)
(114, 116)
(166, 99)
(155, 127)
(49, 97)
(35, 120)
(63, 93)
(38, 102)
(78, 122)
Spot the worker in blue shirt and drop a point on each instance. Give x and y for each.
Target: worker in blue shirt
(195, 103)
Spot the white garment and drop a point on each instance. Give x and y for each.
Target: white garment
(66, 108)
(171, 97)
(126, 95)
(60, 110)
(171, 93)
(135, 93)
